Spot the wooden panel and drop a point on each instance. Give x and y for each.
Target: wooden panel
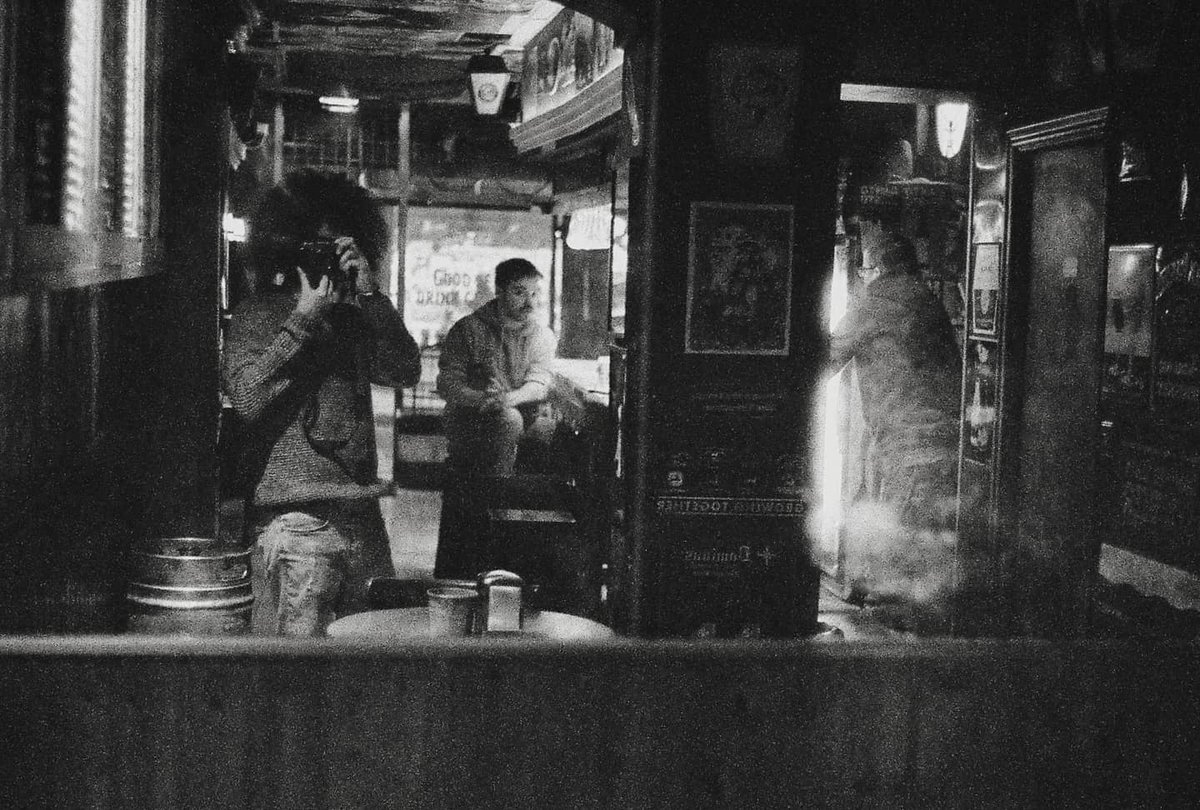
(240, 723)
(717, 519)
(10, 194)
(53, 258)
(81, 386)
(1058, 431)
(1052, 366)
(17, 436)
(42, 89)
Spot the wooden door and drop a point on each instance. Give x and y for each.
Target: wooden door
(1050, 384)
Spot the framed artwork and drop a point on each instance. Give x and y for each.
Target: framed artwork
(1128, 320)
(985, 288)
(1176, 379)
(739, 284)
(980, 413)
(1129, 302)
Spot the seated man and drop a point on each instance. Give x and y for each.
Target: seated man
(493, 372)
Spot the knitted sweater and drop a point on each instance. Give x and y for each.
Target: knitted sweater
(302, 387)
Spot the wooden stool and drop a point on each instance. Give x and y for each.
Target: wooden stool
(532, 525)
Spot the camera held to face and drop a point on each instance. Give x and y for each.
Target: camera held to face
(319, 258)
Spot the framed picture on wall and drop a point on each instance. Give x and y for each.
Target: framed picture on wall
(985, 288)
(739, 289)
(1176, 379)
(1130, 300)
(980, 413)
(1129, 319)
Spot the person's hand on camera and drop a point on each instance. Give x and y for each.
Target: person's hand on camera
(352, 261)
(315, 301)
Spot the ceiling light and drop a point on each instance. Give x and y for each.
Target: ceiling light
(489, 83)
(951, 120)
(234, 228)
(339, 104)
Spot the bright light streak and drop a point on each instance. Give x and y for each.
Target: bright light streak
(135, 124)
(951, 120)
(831, 448)
(339, 104)
(83, 114)
(235, 228)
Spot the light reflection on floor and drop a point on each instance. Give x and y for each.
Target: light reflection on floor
(411, 515)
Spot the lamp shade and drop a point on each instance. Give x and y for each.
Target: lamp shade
(489, 83)
(950, 117)
(339, 104)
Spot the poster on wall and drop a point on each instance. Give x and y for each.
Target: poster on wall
(981, 401)
(1128, 319)
(985, 288)
(1130, 299)
(739, 279)
(1177, 317)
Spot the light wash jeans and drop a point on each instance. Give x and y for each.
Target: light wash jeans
(313, 562)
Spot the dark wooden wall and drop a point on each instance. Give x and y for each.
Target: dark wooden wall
(108, 393)
(622, 725)
(957, 45)
(1088, 450)
(1151, 402)
(1051, 384)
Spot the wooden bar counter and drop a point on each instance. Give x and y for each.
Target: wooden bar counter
(173, 722)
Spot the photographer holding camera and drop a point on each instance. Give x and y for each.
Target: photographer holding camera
(300, 357)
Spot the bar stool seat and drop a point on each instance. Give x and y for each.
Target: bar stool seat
(530, 524)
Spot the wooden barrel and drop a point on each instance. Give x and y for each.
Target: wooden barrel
(191, 586)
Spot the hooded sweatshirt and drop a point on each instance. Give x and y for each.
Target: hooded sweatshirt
(480, 352)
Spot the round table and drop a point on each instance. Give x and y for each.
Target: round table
(414, 623)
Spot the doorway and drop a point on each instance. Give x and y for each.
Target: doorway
(904, 151)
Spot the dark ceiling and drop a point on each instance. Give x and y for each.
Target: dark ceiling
(389, 52)
(397, 50)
